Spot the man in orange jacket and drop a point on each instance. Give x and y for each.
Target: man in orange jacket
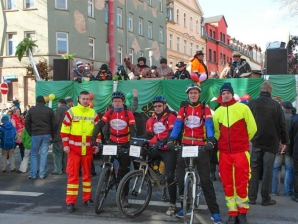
(76, 131)
(197, 63)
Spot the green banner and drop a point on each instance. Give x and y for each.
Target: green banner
(284, 86)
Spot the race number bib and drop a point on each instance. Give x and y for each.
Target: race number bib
(109, 150)
(135, 151)
(190, 151)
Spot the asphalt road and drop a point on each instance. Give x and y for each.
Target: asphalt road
(46, 204)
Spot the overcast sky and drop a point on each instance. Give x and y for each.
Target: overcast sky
(254, 21)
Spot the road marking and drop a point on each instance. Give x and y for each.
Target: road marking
(163, 204)
(21, 193)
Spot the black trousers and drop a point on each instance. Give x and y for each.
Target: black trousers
(203, 166)
(260, 160)
(22, 149)
(296, 178)
(170, 160)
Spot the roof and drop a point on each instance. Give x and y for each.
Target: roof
(214, 19)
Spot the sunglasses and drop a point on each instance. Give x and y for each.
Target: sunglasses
(157, 106)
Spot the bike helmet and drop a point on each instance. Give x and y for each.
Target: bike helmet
(120, 68)
(192, 86)
(160, 99)
(142, 59)
(118, 95)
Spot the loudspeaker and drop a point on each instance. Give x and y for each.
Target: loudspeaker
(61, 69)
(276, 61)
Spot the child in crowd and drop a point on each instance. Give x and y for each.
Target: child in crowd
(26, 139)
(7, 137)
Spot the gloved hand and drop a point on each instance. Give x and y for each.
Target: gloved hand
(160, 144)
(210, 144)
(171, 144)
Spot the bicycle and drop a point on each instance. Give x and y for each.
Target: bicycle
(192, 187)
(108, 176)
(140, 181)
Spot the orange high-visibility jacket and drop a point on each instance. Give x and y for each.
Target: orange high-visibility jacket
(77, 129)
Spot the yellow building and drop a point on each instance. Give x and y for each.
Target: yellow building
(184, 30)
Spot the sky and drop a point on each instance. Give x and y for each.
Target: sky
(254, 21)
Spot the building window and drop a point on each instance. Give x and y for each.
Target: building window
(171, 41)
(184, 19)
(106, 12)
(131, 55)
(170, 14)
(177, 16)
(190, 23)
(32, 36)
(119, 54)
(224, 57)
(178, 44)
(91, 8)
(11, 4)
(214, 37)
(220, 36)
(62, 43)
(61, 4)
(210, 33)
(214, 56)
(197, 47)
(160, 34)
(29, 4)
(160, 5)
(141, 54)
(91, 48)
(220, 56)
(150, 2)
(191, 44)
(185, 47)
(224, 38)
(140, 26)
(130, 22)
(11, 44)
(210, 55)
(119, 17)
(150, 30)
(197, 26)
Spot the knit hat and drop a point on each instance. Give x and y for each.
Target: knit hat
(287, 105)
(79, 64)
(4, 119)
(40, 99)
(227, 87)
(68, 99)
(104, 67)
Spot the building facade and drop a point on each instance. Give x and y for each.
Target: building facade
(218, 50)
(81, 27)
(184, 30)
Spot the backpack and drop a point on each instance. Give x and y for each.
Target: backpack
(8, 137)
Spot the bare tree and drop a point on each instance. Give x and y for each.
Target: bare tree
(291, 6)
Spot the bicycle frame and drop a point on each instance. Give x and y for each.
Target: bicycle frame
(191, 171)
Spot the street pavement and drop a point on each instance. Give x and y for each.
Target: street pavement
(25, 201)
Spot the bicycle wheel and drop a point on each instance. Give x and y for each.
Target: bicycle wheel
(198, 192)
(188, 200)
(139, 193)
(102, 190)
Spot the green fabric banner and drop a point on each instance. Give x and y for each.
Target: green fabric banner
(284, 86)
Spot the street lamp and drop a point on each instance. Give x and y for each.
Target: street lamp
(150, 50)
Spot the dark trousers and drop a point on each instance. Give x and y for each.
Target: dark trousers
(22, 149)
(203, 165)
(296, 178)
(260, 159)
(170, 160)
(59, 157)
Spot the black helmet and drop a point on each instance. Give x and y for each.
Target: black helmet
(118, 95)
(160, 99)
(163, 60)
(192, 86)
(142, 59)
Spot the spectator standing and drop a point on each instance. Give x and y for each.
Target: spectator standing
(141, 70)
(164, 71)
(7, 137)
(197, 64)
(120, 74)
(239, 65)
(26, 110)
(79, 73)
(195, 122)
(18, 122)
(104, 73)
(181, 73)
(272, 132)
(40, 125)
(293, 134)
(284, 158)
(227, 72)
(69, 101)
(59, 156)
(76, 131)
(26, 140)
(234, 127)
